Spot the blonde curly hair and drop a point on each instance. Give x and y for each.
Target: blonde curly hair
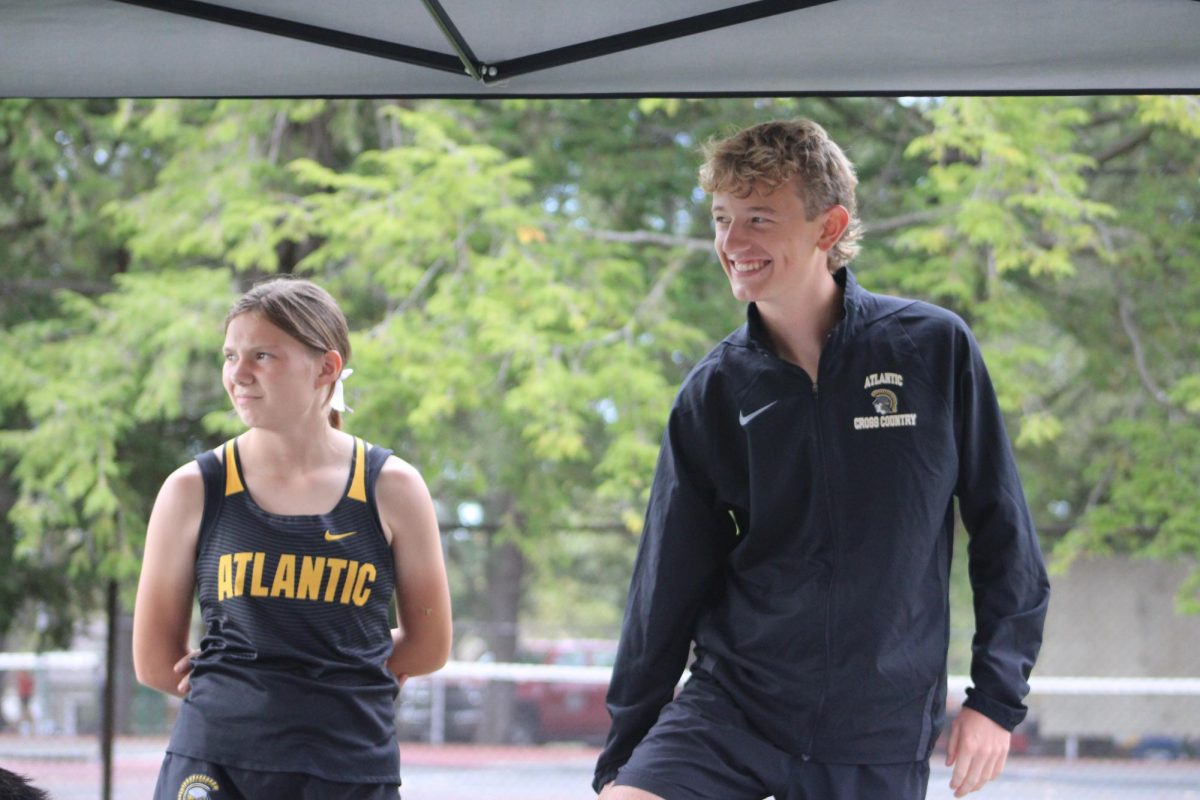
(770, 154)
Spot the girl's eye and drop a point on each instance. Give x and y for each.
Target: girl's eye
(263, 356)
(229, 356)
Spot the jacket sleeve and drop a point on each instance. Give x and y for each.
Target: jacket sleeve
(1007, 573)
(684, 541)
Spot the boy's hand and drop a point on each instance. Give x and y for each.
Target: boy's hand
(977, 750)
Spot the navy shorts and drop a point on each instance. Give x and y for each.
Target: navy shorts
(183, 778)
(703, 748)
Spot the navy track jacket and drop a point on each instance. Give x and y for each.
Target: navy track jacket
(800, 533)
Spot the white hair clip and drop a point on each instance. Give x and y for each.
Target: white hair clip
(338, 401)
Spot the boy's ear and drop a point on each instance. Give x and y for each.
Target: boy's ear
(837, 219)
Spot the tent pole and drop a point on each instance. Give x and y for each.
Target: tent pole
(607, 45)
(452, 34)
(314, 34)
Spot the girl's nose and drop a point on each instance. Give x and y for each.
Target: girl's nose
(239, 374)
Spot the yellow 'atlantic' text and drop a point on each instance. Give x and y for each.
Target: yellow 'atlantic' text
(348, 581)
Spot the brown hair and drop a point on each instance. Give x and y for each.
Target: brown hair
(304, 311)
(772, 153)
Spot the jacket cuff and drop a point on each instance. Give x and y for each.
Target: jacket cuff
(604, 776)
(1003, 715)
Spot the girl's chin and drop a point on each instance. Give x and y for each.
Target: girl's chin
(248, 418)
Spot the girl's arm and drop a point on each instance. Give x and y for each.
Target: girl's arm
(162, 614)
(422, 642)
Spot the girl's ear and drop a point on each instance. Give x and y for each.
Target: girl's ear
(331, 368)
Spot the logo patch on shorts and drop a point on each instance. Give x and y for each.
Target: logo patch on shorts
(197, 787)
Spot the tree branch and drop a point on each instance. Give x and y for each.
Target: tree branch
(848, 116)
(422, 284)
(902, 221)
(21, 226)
(10, 288)
(278, 130)
(1123, 146)
(1125, 313)
(652, 299)
(886, 225)
(650, 237)
(1100, 489)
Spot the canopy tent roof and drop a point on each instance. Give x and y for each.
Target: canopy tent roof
(577, 48)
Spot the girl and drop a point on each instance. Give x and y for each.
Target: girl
(294, 534)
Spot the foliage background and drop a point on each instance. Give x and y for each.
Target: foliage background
(528, 282)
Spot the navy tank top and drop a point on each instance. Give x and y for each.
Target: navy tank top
(291, 676)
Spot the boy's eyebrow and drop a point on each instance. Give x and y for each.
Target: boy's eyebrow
(770, 209)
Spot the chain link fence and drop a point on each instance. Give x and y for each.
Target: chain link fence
(1114, 710)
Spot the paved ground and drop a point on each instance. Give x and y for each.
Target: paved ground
(69, 769)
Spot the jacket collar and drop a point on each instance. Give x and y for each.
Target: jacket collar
(754, 332)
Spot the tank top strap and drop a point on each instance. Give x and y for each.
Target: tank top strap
(376, 457)
(358, 477)
(226, 479)
(212, 471)
(233, 469)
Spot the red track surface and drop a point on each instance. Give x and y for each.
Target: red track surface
(69, 767)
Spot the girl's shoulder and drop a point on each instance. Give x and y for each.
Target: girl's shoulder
(399, 475)
(400, 487)
(185, 483)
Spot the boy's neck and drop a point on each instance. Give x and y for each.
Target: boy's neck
(800, 327)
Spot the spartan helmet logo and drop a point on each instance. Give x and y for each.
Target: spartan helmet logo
(197, 787)
(884, 402)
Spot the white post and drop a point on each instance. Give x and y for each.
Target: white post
(437, 710)
(1071, 748)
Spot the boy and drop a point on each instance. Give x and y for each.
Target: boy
(800, 525)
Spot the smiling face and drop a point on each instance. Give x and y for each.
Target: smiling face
(272, 378)
(768, 247)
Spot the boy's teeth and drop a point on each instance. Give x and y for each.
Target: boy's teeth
(747, 266)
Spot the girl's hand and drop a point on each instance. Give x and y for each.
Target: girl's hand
(184, 667)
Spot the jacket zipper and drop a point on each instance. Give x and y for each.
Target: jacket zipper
(832, 572)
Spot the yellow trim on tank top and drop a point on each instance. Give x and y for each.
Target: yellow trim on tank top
(233, 483)
(358, 484)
